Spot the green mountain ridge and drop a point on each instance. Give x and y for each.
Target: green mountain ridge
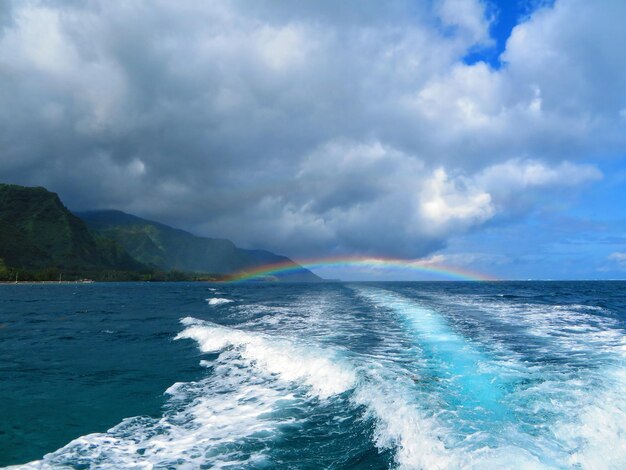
(38, 232)
(40, 239)
(169, 248)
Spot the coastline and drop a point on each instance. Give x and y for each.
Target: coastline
(12, 283)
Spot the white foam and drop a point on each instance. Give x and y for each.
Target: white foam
(408, 422)
(252, 379)
(586, 402)
(427, 434)
(218, 301)
(597, 435)
(399, 424)
(280, 357)
(200, 432)
(255, 375)
(572, 327)
(593, 424)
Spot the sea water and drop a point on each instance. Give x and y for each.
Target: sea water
(336, 375)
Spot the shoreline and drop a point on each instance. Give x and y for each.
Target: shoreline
(9, 283)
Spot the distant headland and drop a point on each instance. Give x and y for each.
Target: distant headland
(42, 241)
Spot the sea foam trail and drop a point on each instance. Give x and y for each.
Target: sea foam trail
(403, 413)
(577, 402)
(384, 394)
(235, 417)
(399, 423)
(596, 434)
(471, 376)
(402, 400)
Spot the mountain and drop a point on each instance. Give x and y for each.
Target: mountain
(40, 239)
(38, 232)
(169, 248)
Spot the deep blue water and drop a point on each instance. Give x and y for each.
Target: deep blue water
(362, 375)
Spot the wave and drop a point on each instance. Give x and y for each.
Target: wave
(569, 389)
(203, 423)
(243, 404)
(386, 394)
(462, 400)
(439, 401)
(218, 301)
(278, 357)
(471, 375)
(399, 423)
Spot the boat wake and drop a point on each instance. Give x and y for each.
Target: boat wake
(293, 386)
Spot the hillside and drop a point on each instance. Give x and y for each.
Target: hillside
(169, 248)
(38, 232)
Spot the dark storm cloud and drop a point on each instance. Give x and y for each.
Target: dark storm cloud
(303, 128)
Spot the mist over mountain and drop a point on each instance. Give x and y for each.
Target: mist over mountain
(42, 239)
(170, 248)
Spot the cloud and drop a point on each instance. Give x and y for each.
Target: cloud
(517, 184)
(374, 199)
(619, 258)
(446, 202)
(335, 129)
(518, 174)
(468, 16)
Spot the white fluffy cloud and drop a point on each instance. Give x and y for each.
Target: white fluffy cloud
(362, 196)
(309, 130)
(619, 258)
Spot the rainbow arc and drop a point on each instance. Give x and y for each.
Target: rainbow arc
(278, 269)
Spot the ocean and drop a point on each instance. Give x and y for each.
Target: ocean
(415, 375)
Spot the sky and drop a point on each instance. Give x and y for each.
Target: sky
(480, 134)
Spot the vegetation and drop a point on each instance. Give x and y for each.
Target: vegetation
(38, 233)
(55, 275)
(168, 248)
(41, 240)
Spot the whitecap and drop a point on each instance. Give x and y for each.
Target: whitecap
(218, 301)
(277, 356)
(253, 378)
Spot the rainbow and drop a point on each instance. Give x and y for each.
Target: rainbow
(286, 267)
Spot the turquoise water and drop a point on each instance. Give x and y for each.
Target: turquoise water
(362, 375)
